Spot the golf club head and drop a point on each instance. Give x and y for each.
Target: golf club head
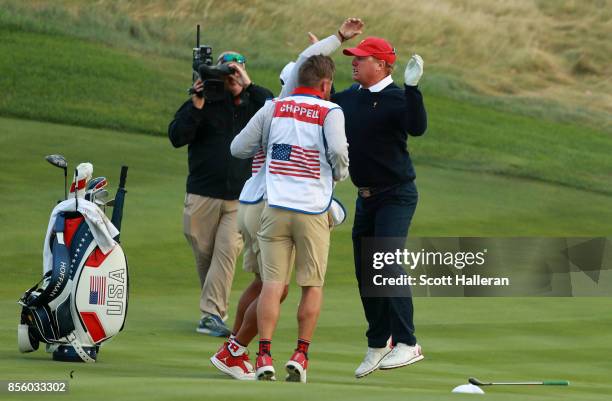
(99, 197)
(57, 161)
(60, 161)
(94, 185)
(476, 382)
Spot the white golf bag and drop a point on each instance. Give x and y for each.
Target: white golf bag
(82, 299)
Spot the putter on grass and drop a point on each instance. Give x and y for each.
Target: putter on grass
(60, 161)
(477, 382)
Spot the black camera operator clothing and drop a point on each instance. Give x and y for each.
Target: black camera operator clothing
(213, 187)
(213, 172)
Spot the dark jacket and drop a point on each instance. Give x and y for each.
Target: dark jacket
(377, 127)
(213, 172)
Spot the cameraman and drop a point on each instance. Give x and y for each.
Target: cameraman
(214, 183)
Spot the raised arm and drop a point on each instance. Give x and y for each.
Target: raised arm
(350, 28)
(415, 116)
(182, 130)
(250, 139)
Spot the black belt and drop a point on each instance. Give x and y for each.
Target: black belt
(366, 192)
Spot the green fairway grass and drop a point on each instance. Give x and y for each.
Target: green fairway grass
(159, 356)
(518, 144)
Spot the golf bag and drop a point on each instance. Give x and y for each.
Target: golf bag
(82, 300)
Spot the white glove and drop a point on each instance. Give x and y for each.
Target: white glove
(414, 70)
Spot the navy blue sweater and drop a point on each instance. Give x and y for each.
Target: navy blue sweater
(377, 128)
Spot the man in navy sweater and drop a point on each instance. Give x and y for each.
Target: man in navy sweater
(379, 117)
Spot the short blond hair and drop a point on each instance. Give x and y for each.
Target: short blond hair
(315, 69)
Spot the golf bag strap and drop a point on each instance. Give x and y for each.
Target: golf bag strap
(78, 348)
(57, 278)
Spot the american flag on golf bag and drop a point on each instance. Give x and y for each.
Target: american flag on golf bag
(295, 161)
(97, 290)
(258, 161)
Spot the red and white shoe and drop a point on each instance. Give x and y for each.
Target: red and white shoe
(296, 367)
(225, 344)
(239, 367)
(264, 368)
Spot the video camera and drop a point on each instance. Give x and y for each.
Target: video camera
(211, 75)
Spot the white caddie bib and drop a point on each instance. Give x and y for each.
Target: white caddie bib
(298, 175)
(255, 187)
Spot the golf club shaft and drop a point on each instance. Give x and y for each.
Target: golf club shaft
(477, 382)
(76, 189)
(541, 383)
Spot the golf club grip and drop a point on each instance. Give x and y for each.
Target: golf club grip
(119, 199)
(555, 383)
(123, 176)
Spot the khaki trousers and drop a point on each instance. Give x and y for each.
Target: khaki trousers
(210, 227)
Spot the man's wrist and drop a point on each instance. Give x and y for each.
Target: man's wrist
(341, 36)
(195, 112)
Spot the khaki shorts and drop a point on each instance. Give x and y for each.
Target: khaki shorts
(280, 231)
(248, 225)
(249, 219)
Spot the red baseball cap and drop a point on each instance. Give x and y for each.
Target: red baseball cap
(375, 47)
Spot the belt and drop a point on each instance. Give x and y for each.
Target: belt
(366, 192)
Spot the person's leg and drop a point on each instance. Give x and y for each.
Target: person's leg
(393, 218)
(311, 237)
(268, 308)
(276, 247)
(200, 220)
(308, 312)
(248, 329)
(227, 246)
(232, 358)
(201, 217)
(375, 308)
(247, 299)
(249, 216)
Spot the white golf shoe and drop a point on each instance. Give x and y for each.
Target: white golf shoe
(402, 355)
(372, 360)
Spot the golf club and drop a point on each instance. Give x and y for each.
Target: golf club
(118, 201)
(477, 382)
(93, 186)
(100, 198)
(60, 161)
(76, 190)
